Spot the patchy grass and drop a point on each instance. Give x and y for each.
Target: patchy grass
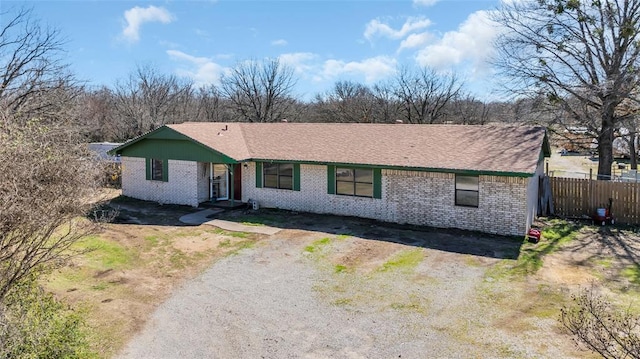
(103, 254)
(632, 273)
(230, 233)
(252, 224)
(125, 271)
(405, 260)
(556, 234)
(342, 301)
(605, 263)
(339, 268)
(238, 246)
(317, 245)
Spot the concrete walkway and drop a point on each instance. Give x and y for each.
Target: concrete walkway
(239, 227)
(203, 217)
(199, 218)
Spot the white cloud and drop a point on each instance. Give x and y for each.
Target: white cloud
(137, 16)
(424, 2)
(376, 27)
(202, 70)
(299, 61)
(415, 40)
(279, 42)
(472, 42)
(373, 69)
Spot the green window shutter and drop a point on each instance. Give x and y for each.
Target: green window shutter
(258, 174)
(331, 179)
(377, 183)
(296, 176)
(147, 165)
(165, 170)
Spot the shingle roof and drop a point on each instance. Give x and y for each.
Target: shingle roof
(489, 148)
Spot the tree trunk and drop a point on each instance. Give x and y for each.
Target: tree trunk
(605, 149)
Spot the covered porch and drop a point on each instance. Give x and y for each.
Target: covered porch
(220, 184)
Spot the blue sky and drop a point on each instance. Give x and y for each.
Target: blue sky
(324, 41)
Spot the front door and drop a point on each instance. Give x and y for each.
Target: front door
(221, 182)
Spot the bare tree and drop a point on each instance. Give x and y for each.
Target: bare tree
(47, 181)
(468, 110)
(347, 102)
(387, 106)
(99, 120)
(601, 327)
(260, 91)
(47, 177)
(33, 77)
(149, 99)
(582, 56)
(424, 94)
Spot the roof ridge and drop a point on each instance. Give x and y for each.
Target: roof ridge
(244, 140)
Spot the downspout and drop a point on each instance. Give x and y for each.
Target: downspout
(211, 181)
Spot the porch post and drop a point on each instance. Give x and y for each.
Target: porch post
(211, 199)
(232, 180)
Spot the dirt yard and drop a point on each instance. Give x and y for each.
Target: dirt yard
(330, 286)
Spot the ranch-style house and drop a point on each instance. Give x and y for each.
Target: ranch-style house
(481, 178)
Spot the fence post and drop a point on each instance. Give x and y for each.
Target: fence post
(547, 171)
(590, 173)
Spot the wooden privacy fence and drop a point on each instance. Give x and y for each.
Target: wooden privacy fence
(574, 197)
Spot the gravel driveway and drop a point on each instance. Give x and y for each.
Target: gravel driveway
(280, 299)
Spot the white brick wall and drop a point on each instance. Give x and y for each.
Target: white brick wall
(182, 187)
(312, 196)
(427, 198)
(421, 198)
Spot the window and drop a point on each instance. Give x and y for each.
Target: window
(467, 188)
(157, 168)
(278, 175)
(354, 182)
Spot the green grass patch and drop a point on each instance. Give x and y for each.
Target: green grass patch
(254, 224)
(342, 237)
(317, 245)
(339, 268)
(404, 260)
(632, 273)
(152, 240)
(105, 254)
(605, 263)
(554, 236)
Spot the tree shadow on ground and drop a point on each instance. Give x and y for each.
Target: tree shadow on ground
(612, 252)
(126, 210)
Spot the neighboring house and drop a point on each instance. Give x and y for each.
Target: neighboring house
(482, 178)
(101, 151)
